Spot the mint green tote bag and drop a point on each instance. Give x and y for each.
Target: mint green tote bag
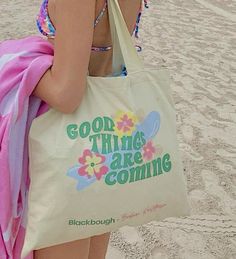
(113, 162)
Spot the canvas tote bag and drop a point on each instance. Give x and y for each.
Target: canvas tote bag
(113, 162)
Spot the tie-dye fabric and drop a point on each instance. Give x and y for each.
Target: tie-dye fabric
(22, 64)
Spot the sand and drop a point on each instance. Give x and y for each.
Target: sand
(196, 40)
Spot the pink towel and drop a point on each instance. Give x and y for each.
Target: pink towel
(22, 63)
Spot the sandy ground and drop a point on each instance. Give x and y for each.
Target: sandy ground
(196, 40)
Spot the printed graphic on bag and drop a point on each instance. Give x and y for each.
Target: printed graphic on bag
(121, 152)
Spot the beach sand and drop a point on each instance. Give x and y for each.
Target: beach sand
(196, 40)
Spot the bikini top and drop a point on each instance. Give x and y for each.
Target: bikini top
(46, 27)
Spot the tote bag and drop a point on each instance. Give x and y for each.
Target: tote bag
(111, 163)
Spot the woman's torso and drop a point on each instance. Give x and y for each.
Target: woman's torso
(100, 61)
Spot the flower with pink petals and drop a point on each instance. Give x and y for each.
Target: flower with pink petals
(92, 164)
(148, 150)
(125, 123)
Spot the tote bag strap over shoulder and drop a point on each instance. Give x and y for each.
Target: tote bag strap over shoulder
(124, 51)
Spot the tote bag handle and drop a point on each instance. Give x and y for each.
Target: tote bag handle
(124, 51)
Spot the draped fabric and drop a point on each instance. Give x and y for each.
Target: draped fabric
(22, 63)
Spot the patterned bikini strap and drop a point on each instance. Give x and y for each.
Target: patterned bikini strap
(101, 14)
(136, 28)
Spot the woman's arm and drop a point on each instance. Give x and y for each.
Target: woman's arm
(63, 86)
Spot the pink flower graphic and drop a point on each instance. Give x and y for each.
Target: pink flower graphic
(148, 150)
(125, 123)
(92, 164)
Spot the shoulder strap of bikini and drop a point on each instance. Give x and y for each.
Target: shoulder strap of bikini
(101, 14)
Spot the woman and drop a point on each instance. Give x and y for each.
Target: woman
(80, 45)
